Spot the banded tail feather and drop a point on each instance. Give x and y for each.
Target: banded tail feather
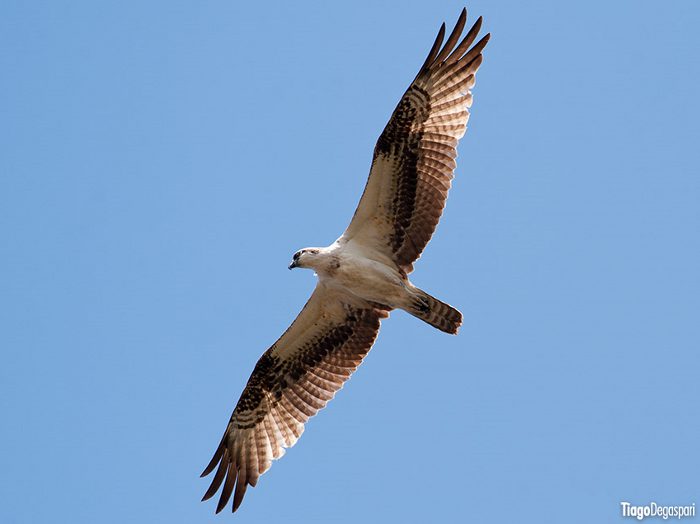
(435, 312)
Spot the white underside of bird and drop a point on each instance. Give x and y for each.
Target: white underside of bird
(360, 273)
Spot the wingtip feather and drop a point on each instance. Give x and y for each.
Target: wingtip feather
(238, 495)
(452, 39)
(215, 459)
(212, 464)
(433, 50)
(231, 476)
(218, 478)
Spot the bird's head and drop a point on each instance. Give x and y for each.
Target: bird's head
(305, 258)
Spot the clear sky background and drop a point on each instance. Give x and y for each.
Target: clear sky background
(160, 162)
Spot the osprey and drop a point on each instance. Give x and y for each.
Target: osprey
(363, 275)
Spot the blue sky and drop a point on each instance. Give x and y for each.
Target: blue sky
(162, 161)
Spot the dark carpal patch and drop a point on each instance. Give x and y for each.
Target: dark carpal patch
(261, 381)
(400, 143)
(272, 375)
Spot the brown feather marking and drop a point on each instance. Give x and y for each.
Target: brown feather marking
(418, 207)
(282, 394)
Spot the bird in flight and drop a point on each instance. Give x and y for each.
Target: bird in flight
(363, 275)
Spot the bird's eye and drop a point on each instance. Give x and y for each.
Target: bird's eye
(296, 255)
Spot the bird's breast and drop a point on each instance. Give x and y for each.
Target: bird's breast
(365, 278)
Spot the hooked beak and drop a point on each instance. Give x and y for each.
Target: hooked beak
(293, 264)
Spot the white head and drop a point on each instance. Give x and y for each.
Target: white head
(307, 258)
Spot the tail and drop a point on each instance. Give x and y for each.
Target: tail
(436, 313)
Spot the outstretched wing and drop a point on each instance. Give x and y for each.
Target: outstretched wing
(415, 155)
(291, 382)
